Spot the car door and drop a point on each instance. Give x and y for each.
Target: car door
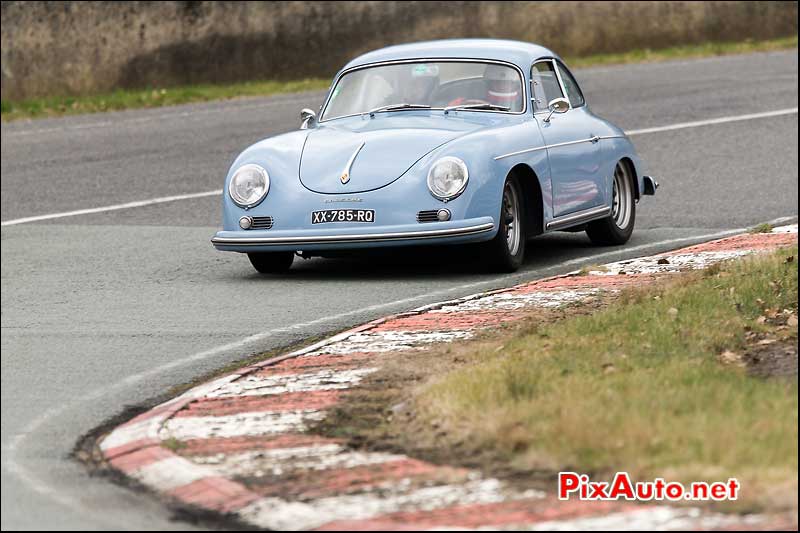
(573, 149)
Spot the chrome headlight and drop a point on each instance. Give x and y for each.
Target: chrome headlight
(447, 178)
(249, 185)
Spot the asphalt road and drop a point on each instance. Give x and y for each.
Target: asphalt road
(108, 310)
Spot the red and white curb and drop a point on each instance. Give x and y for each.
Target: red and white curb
(238, 445)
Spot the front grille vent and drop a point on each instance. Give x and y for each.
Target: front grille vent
(431, 215)
(262, 223)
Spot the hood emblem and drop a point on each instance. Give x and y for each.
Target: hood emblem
(345, 177)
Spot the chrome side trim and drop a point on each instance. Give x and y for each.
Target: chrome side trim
(335, 239)
(545, 147)
(578, 218)
(593, 139)
(520, 152)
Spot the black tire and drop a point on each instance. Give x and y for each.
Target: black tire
(271, 262)
(617, 228)
(506, 251)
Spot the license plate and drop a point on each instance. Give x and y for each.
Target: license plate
(343, 215)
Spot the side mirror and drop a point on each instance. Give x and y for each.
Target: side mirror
(558, 105)
(307, 117)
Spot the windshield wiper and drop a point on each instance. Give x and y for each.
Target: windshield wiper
(492, 107)
(395, 107)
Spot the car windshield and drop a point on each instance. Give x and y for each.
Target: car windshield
(478, 86)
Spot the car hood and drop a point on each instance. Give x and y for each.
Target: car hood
(372, 152)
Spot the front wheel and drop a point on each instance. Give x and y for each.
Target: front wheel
(617, 228)
(506, 251)
(271, 262)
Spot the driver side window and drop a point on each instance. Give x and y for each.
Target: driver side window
(544, 85)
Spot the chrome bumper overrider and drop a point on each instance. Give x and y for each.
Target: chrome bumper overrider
(650, 185)
(306, 240)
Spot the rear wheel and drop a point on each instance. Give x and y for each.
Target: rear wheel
(617, 228)
(506, 251)
(271, 262)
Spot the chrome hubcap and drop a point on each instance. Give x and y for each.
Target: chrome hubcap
(511, 219)
(622, 198)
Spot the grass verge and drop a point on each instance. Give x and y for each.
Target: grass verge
(157, 97)
(154, 97)
(683, 52)
(659, 382)
(765, 227)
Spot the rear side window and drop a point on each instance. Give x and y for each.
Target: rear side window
(544, 85)
(571, 86)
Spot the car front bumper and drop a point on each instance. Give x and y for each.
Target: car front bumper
(452, 232)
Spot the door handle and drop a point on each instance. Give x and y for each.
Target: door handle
(594, 138)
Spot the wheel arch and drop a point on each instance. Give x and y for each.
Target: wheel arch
(628, 162)
(532, 195)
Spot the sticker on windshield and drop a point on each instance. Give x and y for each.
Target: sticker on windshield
(425, 70)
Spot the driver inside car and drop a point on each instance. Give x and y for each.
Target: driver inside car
(501, 88)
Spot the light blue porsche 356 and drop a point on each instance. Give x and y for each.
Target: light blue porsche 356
(443, 142)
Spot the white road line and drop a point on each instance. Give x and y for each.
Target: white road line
(712, 121)
(116, 207)
(191, 113)
(153, 201)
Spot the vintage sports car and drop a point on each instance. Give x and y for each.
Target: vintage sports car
(443, 142)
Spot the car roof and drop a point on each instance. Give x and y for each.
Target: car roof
(520, 53)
